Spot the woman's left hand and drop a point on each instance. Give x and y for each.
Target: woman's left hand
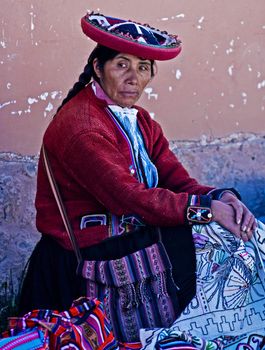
(243, 215)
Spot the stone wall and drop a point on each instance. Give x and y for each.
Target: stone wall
(17, 217)
(236, 161)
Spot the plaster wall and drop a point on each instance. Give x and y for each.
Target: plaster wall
(214, 88)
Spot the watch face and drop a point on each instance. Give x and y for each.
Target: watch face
(202, 215)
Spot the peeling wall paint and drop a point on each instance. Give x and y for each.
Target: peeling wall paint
(150, 93)
(34, 100)
(214, 88)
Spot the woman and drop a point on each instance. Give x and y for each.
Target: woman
(117, 174)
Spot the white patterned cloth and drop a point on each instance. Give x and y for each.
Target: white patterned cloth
(230, 299)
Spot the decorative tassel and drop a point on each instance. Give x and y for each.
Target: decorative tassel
(160, 285)
(124, 297)
(128, 295)
(144, 293)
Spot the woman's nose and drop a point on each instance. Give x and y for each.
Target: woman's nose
(132, 77)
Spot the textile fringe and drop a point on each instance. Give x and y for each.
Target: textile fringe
(134, 294)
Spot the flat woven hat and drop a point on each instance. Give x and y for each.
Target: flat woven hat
(130, 37)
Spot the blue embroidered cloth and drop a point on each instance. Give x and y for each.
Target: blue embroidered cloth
(128, 118)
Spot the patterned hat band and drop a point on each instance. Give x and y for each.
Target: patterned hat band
(131, 37)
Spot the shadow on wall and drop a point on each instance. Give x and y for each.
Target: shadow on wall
(236, 161)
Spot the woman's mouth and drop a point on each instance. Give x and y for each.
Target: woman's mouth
(130, 93)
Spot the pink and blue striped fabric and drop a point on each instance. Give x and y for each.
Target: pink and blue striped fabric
(83, 326)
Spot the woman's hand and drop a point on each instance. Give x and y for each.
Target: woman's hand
(243, 215)
(232, 214)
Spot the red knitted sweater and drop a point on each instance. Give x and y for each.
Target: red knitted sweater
(92, 165)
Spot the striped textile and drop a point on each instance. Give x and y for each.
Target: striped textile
(83, 326)
(130, 346)
(30, 339)
(138, 290)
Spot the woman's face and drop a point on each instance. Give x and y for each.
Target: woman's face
(124, 78)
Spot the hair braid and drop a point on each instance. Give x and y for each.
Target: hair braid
(103, 54)
(83, 80)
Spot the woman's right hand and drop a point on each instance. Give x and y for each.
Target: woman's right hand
(224, 214)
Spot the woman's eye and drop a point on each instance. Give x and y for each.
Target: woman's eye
(122, 64)
(144, 68)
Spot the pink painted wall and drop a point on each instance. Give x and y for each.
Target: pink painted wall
(215, 88)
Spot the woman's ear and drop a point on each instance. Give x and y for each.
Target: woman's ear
(96, 68)
(155, 69)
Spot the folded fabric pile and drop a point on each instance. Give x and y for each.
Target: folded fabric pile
(83, 326)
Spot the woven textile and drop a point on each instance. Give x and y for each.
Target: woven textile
(230, 299)
(170, 339)
(84, 326)
(30, 339)
(138, 290)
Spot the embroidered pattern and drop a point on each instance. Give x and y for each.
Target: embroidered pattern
(133, 31)
(230, 298)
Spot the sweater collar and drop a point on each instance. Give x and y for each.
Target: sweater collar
(100, 93)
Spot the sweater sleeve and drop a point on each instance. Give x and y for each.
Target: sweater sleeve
(172, 174)
(100, 169)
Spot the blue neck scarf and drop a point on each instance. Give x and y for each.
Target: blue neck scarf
(128, 119)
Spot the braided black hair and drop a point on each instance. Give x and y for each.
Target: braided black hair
(103, 54)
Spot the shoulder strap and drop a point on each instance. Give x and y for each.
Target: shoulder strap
(60, 205)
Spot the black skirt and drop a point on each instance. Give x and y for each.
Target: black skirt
(52, 282)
